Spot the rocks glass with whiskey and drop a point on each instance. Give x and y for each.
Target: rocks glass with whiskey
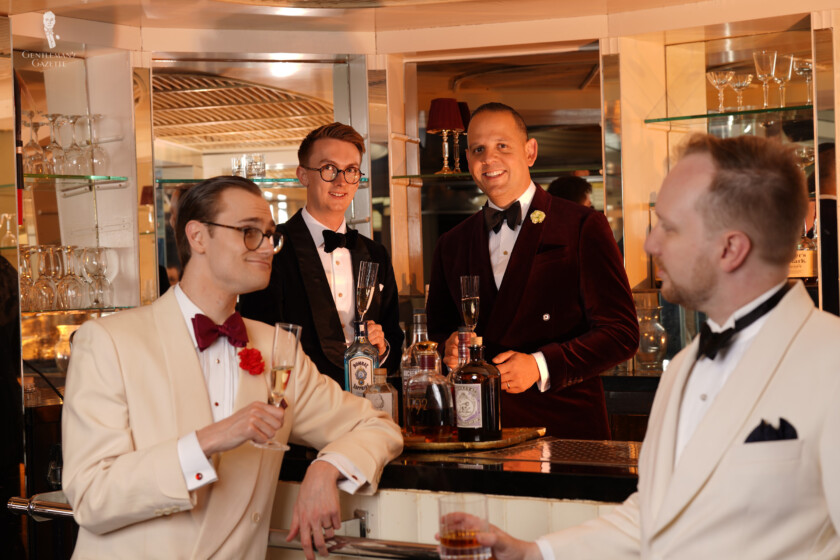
(461, 517)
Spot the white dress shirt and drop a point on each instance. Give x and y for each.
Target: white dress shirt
(220, 367)
(708, 377)
(338, 266)
(501, 246)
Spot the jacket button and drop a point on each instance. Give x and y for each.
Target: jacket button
(546, 317)
(255, 517)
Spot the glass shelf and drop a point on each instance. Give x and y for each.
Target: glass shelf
(535, 172)
(787, 113)
(82, 311)
(287, 183)
(72, 185)
(32, 178)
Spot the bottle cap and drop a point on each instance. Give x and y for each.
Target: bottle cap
(477, 341)
(419, 317)
(379, 374)
(426, 360)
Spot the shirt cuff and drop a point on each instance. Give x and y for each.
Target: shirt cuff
(195, 466)
(545, 549)
(544, 384)
(353, 477)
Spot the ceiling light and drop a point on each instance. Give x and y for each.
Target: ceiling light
(283, 69)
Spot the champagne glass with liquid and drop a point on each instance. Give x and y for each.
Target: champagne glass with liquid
(469, 301)
(283, 356)
(365, 286)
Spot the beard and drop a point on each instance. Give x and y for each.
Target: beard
(693, 292)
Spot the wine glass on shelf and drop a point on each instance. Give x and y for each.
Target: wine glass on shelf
(74, 156)
(100, 287)
(765, 68)
(43, 291)
(8, 239)
(33, 154)
(469, 301)
(365, 286)
(805, 67)
(71, 288)
(739, 83)
(805, 153)
(25, 278)
(283, 359)
(719, 79)
(98, 155)
(54, 153)
(782, 75)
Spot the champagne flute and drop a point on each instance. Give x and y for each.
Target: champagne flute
(765, 68)
(719, 81)
(283, 357)
(469, 301)
(805, 67)
(365, 286)
(739, 83)
(782, 75)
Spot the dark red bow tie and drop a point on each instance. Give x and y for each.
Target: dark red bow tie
(206, 331)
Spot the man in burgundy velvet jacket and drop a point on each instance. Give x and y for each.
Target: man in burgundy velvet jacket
(555, 308)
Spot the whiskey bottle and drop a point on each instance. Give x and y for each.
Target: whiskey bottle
(429, 409)
(382, 395)
(360, 359)
(804, 264)
(478, 397)
(419, 334)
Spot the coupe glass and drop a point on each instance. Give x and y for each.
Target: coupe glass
(469, 301)
(365, 287)
(782, 75)
(283, 359)
(54, 153)
(765, 68)
(461, 517)
(719, 80)
(739, 83)
(805, 67)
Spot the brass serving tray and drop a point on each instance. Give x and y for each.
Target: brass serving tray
(510, 436)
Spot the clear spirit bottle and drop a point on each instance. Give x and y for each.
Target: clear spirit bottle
(430, 413)
(360, 359)
(382, 395)
(478, 397)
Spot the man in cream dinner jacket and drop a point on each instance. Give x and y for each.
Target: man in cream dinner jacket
(742, 454)
(158, 419)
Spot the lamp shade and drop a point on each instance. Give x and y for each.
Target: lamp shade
(465, 113)
(444, 114)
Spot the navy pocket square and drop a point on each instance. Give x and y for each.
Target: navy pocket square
(766, 432)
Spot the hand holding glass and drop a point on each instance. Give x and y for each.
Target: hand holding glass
(461, 517)
(365, 286)
(283, 357)
(469, 300)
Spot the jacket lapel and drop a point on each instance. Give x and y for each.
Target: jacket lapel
(518, 269)
(324, 314)
(238, 468)
(734, 404)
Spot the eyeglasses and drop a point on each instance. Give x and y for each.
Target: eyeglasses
(329, 172)
(253, 237)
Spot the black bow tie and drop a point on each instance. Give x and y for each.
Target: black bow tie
(493, 218)
(711, 342)
(333, 240)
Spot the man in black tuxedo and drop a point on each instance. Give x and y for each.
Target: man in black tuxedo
(555, 308)
(313, 279)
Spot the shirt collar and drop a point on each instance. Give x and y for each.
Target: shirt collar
(188, 310)
(730, 323)
(316, 228)
(524, 201)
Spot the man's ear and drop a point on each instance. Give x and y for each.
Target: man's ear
(736, 248)
(302, 176)
(196, 233)
(531, 151)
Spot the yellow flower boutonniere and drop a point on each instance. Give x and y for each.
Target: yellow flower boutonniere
(537, 216)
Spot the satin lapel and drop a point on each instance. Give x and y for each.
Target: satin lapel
(238, 468)
(189, 389)
(519, 268)
(324, 314)
(660, 442)
(734, 404)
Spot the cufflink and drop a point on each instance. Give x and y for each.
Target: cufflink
(199, 476)
(546, 317)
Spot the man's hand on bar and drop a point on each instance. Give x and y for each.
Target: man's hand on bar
(316, 514)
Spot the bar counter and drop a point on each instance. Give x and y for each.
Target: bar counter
(597, 471)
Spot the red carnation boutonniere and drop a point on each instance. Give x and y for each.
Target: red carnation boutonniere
(251, 361)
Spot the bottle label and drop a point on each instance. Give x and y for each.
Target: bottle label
(804, 265)
(361, 375)
(382, 401)
(468, 405)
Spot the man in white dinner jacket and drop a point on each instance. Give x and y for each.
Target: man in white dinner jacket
(159, 418)
(742, 454)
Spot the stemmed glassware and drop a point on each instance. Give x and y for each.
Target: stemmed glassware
(765, 68)
(49, 268)
(71, 289)
(100, 287)
(739, 83)
(283, 360)
(469, 301)
(365, 286)
(33, 154)
(54, 153)
(98, 155)
(805, 153)
(719, 79)
(805, 67)
(25, 278)
(8, 239)
(782, 75)
(76, 161)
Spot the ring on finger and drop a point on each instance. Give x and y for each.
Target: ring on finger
(508, 385)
